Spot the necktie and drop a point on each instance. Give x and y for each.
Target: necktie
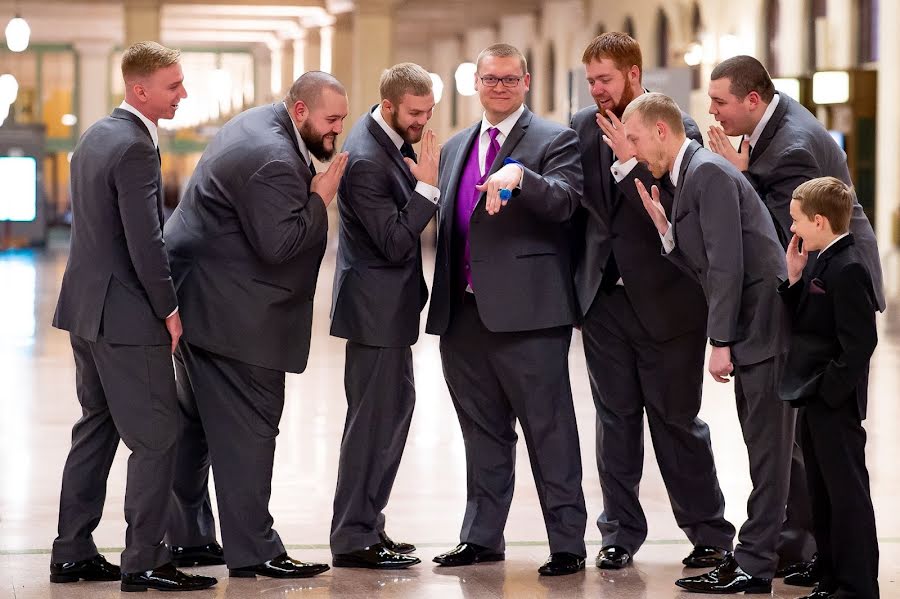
(158, 155)
(493, 149)
(312, 167)
(667, 194)
(406, 150)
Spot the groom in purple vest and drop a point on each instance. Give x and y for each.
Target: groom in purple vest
(503, 302)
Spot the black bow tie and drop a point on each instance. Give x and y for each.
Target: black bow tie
(406, 150)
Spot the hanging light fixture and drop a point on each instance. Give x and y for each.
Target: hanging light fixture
(17, 33)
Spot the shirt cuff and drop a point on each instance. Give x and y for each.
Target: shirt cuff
(429, 192)
(174, 312)
(620, 170)
(668, 240)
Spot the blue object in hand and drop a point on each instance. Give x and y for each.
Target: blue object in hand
(505, 194)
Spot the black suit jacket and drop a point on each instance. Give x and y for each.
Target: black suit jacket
(246, 242)
(521, 257)
(614, 220)
(379, 289)
(793, 148)
(833, 331)
(117, 282)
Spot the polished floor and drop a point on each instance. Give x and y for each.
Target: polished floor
(38, 408)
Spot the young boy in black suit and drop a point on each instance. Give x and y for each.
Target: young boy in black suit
(833, 337)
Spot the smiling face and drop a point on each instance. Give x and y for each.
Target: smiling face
(500, 101)
(158, 94)
(409, 117)
(611, 87)
(736, 116)
(320, 124)
(814, 231)
(648, 144)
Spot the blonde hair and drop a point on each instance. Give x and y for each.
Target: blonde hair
(404, 78)
(503, 51)
(830, 197)
(145, 58)
(654, 107)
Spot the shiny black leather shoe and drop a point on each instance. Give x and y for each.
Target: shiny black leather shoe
(282, 566)
(95, 568)
(466, 554)
(560, 564)
(395, 546)
(376, 557)
(165, 578)
(791, 569)
(819, 594)
(727, 578)
(705, 556)
(201, 555)
(613, 557)
(809, 576)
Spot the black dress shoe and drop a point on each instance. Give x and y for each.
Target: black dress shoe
(165, 578)
(613, 557)
(791, 569)
(560, 564)
(395, 546)
(466, 554)
(726, 578)
(817, 594)
(376, 557)
(282, 566)
(201, 555)
(809, 576)
(95, 568)
(705, 556)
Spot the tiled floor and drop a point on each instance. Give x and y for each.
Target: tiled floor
(38, 408)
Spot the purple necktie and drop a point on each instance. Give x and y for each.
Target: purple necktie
(492, 151)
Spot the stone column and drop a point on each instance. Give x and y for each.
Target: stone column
(93, 79)
(142, 21)
(888, 159)
(372, 51)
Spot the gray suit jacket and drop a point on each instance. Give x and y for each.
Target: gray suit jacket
(725, 238)
(379, 289)
(794, 147)
(117, 282)
(521, 258)
(246, 242)
(613, 220)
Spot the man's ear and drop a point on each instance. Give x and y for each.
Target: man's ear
(300, 110)
(754, 99)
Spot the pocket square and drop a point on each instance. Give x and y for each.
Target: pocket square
(817, 287)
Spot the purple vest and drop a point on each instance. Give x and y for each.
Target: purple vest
(467, 197)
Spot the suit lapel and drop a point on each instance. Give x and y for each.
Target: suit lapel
(385, 141)
(512, 140)
(771, 127)
(682, 172)
(289, 130)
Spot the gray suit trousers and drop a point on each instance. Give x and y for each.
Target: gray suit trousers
(495, 379)
(768, 425)
(125, 391)
(234, 410)
(381, 394)
(632, 374)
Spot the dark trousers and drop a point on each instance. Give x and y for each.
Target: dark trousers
(797, 543)
(381, 394)
(630, 374)
(834, 446)
(495, 379)
(767, 425)
(125, 391)
(231, 412)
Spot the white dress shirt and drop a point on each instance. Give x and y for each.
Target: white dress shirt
(300, 143)
(429, 192)
(484, 138)
(767, 116)
(668, 240)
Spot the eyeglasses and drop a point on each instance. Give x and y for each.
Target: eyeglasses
(491, 81)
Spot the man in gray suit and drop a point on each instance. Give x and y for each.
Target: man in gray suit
(118, 303)
(245, 245)
(503, 302)
(784, 145)
(386, 198)
(719, 232)
(639, 358)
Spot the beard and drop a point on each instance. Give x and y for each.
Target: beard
(627, 96)
(316, 142)
(409, 135)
